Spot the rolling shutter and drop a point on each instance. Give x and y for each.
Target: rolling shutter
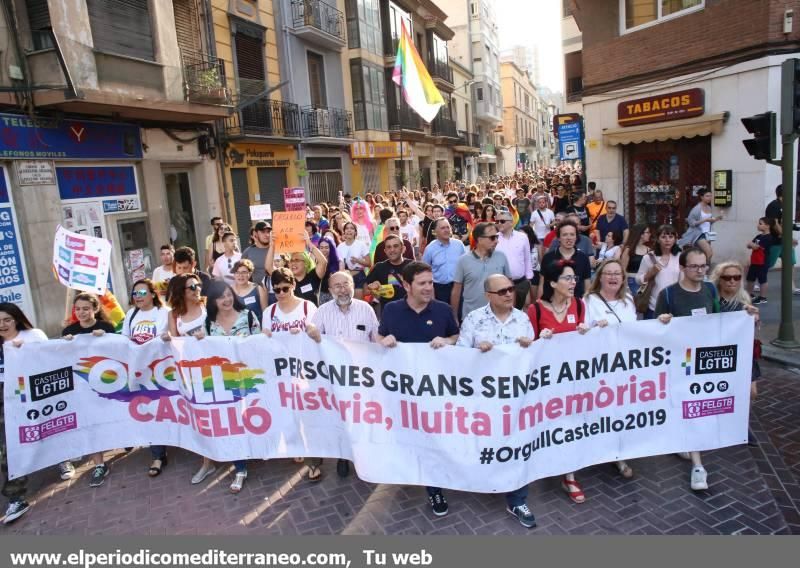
(187, 26)
(122, 27)
(250, 63)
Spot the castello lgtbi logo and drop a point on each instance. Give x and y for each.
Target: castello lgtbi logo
(708, 360)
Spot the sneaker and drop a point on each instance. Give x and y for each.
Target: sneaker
(204, 471)
(524, 515)
(99, 474)
(238, 481)
(15, 510)
(684, 455)
(760, 300)
(699, 478)
(438, 504)
(66, 470)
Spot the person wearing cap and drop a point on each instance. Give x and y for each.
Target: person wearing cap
(257, 252)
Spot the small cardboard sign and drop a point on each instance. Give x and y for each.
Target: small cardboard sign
(288, 228)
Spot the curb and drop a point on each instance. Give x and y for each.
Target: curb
(788, 357)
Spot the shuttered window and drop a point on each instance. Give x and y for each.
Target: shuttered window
(250, 61)
(122, 27)
(316, 80)
(187, 26)
(39, 21)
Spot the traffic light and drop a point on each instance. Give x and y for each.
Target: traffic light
(762, 127)
(790, 96)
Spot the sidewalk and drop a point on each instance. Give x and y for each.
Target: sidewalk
(751, 491)
(770, 320)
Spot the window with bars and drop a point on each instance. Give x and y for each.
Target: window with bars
(122, 27)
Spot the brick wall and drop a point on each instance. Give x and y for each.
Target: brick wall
(725, 31)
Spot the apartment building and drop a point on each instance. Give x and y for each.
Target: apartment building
(521, 122)
(106, 116)
(664, 86)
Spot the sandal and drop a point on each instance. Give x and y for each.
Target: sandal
(624, 469)
(156, 466)
(314, 473)
(573, 490)
(238, 481)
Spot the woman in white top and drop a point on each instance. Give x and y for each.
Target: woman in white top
(698, 231)
(188, 317)
(611, 249)
(661, 265)
(354, 256)
(149, 317)
(289, 314)
(15, 329)
(608, 302)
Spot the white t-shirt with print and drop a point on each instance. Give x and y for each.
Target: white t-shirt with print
(348, 252)
(277, 321)
(146, 325)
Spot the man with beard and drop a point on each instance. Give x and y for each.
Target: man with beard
(344, 317)
(385, 278)
(257, 252)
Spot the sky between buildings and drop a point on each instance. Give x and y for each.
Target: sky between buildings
(534, 23)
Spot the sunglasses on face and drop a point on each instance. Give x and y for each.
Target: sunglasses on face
(731, 277)
(393, 228)
(490, 237)
(504, 291)
(193, 287)
(283, 289)
(140, 293)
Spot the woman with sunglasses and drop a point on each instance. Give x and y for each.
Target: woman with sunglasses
(608, 302)
(727, 277)
(227, 316)
(660, 266)
(290, 314)
(15, 329)
(146, 320)
(253, 296)
(188, 318)
(559, 311)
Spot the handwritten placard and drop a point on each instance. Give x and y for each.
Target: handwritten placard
(287, 231)
(260, 212)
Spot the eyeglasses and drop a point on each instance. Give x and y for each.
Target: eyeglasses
(504, 291)
(568, 278)
(731, 277)
(392, 228)
(217, 225)
(502, 221)
(282, 289)
(193, 287)
(140, 293)
(697, 267)
(490, 237)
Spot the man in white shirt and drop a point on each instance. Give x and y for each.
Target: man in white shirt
(542, 218)
(166, 271)
(223, 266)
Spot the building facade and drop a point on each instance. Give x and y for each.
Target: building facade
(476, 45)
(665, 123)
(107, 128)
(521, 121)
(467, 149)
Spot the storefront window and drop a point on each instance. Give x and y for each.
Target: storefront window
(661, 179)
(643, 12)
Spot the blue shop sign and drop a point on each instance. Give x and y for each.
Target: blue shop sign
(95, 182)
(570, 141)
(12, 266)
(25, 137)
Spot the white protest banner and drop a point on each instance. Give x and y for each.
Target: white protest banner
(260, 212)
(81, 262)
(454, 417)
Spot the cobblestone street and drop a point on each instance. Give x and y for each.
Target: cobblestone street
(751, 491)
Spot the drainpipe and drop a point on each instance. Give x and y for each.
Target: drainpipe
(283, 14)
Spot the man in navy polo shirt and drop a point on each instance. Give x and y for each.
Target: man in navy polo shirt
(612, 221)
(419, 318)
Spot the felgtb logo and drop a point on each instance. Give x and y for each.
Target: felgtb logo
(37, 432)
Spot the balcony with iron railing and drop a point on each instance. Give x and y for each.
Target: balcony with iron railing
(469, 139)
(404, 118)
(204, 79)
(265, 118)
(441, 72)
(444, 127)
(319, 22)
(531, 142)
(324, 122)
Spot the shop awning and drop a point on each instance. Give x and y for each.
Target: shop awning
(686, 128)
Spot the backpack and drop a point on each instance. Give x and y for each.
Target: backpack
(709, 286)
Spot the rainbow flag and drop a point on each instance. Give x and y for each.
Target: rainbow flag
(410, 74)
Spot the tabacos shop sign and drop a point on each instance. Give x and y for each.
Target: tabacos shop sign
(661, 108)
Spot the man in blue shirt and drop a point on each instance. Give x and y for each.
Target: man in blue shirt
(612, 222)
(442, 255)
(419, 318)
